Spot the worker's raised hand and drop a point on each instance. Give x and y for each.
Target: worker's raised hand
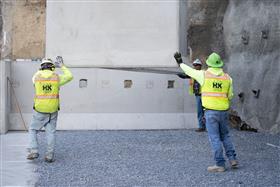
(183, 76)
(178, 58)
(59, 61)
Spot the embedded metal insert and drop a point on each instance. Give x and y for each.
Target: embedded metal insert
(149, 84)
(256, 93)
(241, 96)
(83, 83)
(265, 34)
(127, 83)
(245, 37)
(170, 84)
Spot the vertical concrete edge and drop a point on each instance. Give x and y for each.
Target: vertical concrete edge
(4, 102)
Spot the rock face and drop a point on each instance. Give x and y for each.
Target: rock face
(247, 35)
(252, 39)
(205, 31)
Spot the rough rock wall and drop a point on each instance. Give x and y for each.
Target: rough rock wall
(247, 35)
(23, 29)
(205, 27)
(252, 38)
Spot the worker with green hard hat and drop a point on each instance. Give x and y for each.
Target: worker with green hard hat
(216, 93)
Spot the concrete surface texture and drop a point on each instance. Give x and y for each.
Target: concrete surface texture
(105, 103)
(4, 96)
(142, 158)
(113, 33)
(205, 27)
(15, 169)
(247, 35)
(23, 28)
(253, 60)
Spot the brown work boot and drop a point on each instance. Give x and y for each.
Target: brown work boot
(32, 156)
(200, 130)
(234, 164)
(216, 168)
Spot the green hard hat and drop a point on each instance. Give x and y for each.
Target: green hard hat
(214, 60)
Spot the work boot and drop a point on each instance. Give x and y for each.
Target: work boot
(216, 168)
(49, 157)
(234, 164)
(32, 156)
(200, 129)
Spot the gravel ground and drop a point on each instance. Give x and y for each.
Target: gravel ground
(156, 158)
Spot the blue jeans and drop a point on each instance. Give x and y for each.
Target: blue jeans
(200, 112)
(40, 120)
(218, 132)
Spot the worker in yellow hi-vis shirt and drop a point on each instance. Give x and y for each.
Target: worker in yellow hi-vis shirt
(216, 93)
(46, 105)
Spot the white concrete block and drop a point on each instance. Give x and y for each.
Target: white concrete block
(113, 33)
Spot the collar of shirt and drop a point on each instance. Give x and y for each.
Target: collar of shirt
(216, 71)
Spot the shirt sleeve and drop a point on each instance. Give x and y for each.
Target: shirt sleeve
(198, 75)
(65, 77)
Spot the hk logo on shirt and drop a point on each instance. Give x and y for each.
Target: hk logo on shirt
(47, 88)
(217, 85)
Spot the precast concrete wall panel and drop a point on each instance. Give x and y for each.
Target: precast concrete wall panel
(113, 33)
(105, 103)
(4, 95)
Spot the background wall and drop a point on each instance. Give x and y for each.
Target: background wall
(106, 104)
(245, 32)
(23, 24)
(4, 96)
(253, 60)
(113, 33)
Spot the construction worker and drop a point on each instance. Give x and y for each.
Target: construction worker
(195, 89)
(46, 105)
(216, 93)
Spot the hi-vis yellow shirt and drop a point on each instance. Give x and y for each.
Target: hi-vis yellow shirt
(199, 76)
(47, 85)
(215, 90)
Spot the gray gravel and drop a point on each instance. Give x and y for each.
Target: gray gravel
(156, 158)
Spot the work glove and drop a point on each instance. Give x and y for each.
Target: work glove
(178, 58)
(59, 61)
(183, 76)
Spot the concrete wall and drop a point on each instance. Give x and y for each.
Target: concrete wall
(205, 27)
(236, 29)
(23, 29)
(4, 96)
(106, 104)
(107, 34)
(247, 35)
(113, 33)
(253, 52)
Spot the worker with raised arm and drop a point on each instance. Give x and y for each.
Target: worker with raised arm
(216, 93)
(46, 105)
(195, 89)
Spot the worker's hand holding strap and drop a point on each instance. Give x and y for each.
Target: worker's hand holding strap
(183, 76)
(178, 58)
(59, 61)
